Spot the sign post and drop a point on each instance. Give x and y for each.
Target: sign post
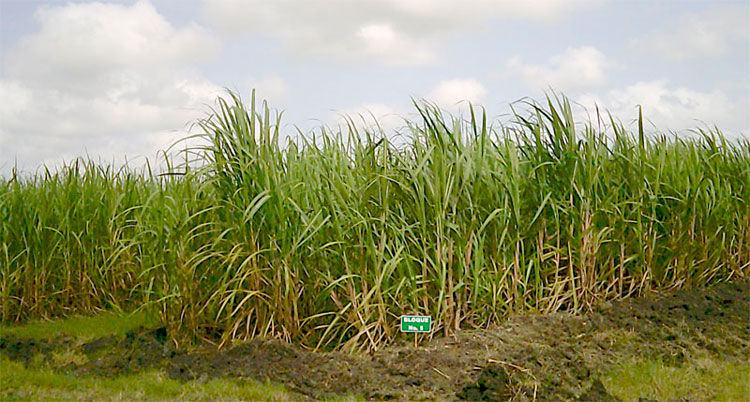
(416, 323)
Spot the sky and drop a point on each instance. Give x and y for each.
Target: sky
(121, 80)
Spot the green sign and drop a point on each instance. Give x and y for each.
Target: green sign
(416, 323)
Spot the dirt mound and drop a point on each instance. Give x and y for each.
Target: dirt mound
(556, 356)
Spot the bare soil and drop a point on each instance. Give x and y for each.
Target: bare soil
(555, 356)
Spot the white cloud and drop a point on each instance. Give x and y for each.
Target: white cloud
(82, 46)
(574, 69)
(385, 43)
(466, 11)
(104, 79)
(393, 31)
(272, 88)
(711, 33)
(56, 125)
(370, 116)
(449, 93)
(673, 108)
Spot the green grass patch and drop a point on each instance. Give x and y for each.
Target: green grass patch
(704, 379)
(81, 327)
(21, 383)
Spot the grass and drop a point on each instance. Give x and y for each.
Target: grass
(40, 381)
(81, 327)
(325, 241)
(21, 383)
(707, 379)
